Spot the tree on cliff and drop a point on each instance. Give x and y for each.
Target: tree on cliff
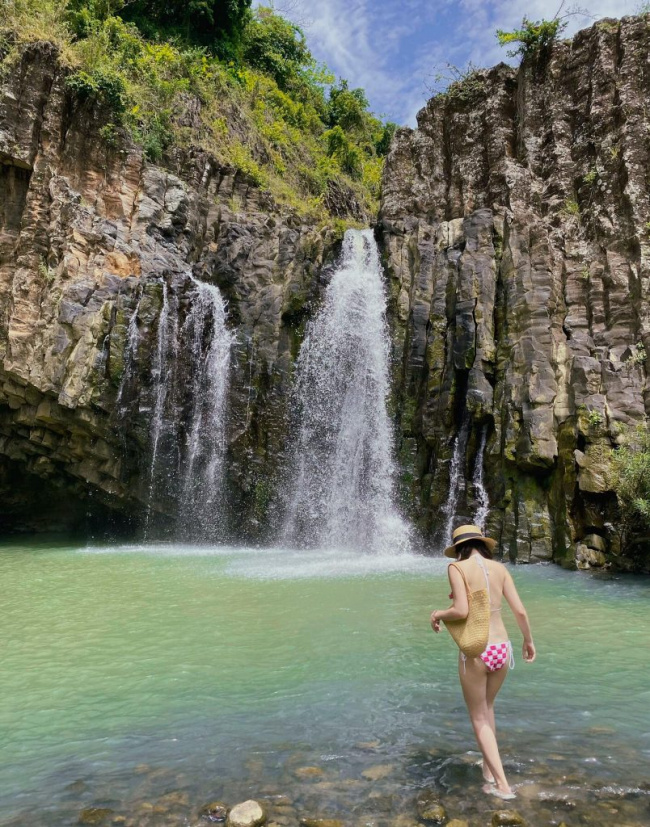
(215, 24)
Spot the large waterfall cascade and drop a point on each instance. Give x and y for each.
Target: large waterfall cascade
(341, 481)
(189, 377)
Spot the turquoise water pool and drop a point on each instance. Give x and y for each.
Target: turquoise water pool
(130, 671)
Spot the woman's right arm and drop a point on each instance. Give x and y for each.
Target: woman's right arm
(521, 616)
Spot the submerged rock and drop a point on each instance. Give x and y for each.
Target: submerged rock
(94, 815)
(320, 822)
(215, 812)
(507, 818)
(378, 772)
(308, 772)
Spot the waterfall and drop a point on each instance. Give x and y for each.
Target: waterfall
(159, 422)
(130, 351)
(203, 466)
(341, 490)
(456, 478)
(188, 371)
(480, 493)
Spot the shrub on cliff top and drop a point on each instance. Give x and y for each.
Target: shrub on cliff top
(534, 36)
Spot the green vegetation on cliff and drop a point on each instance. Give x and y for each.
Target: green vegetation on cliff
(631, 472)
(213, 74)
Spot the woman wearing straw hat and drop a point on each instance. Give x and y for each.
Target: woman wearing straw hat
(482, 677)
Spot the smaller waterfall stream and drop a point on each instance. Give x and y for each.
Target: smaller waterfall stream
(161, 385)
(480, 492)
(202, 474)
(342, 471)
(130, 351)
(185, 405)
(456, 478)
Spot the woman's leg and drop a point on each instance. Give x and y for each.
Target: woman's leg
(480, 688)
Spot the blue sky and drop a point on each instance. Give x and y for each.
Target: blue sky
(393, 49)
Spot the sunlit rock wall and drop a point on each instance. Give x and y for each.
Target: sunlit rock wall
(515, 225)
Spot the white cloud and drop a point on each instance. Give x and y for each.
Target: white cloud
(390, 48)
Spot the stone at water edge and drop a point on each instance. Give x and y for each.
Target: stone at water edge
(320, 822)
(457, 822)
(595, 541)
(507, 818)
(247, 814)
(588, 557)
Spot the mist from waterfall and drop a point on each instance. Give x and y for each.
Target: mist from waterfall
(341, 480)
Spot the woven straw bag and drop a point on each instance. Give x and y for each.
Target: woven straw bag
(471, 633)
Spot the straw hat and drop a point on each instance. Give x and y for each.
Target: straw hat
(467, 532)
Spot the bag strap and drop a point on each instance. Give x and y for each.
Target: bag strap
(462, 574)
(487, 579)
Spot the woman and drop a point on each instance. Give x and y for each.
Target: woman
(482, 677)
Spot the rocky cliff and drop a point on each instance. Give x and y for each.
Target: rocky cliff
(515, 224)
(90, 233)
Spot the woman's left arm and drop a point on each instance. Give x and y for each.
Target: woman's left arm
(459, 608)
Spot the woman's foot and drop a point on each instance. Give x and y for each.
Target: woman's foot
(504, 795)
(487, 775)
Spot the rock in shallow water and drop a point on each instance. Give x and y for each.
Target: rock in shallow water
(507, 818)
(378, 772)
(430, 809)
(247, 814)
(94, 815)
(320, 822)
(215, 812)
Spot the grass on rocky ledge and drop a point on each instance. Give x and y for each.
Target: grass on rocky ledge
(301, 142)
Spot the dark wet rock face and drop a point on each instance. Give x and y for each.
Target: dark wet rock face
(515, 227)
(88, 235)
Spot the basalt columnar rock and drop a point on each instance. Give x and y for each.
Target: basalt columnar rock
(514, 224)
(90, 233)
(516, 232)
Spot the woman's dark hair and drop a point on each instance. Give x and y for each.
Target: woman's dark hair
(463, 550)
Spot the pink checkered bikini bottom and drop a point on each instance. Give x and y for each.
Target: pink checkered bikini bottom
(497, 655)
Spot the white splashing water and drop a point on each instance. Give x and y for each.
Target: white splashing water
(342, 492)
(456, 478)
(130, 352)
(203, 467)
(480, 493)
(161, 385)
